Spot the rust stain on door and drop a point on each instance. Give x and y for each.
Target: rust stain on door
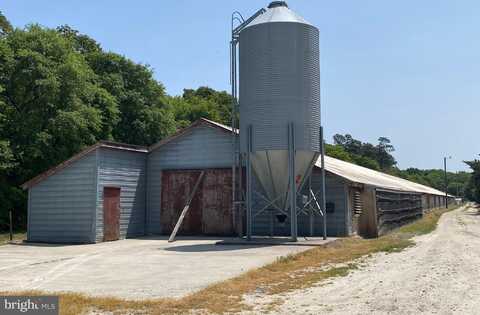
(210, 211)
(176, 187)
(111, 213)
(217, 203)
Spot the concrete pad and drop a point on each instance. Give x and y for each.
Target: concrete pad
(271, 241)
(133, 268)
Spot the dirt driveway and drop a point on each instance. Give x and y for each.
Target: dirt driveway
(133, 268)
(440, 275)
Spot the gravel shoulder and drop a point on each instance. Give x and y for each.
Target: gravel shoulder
(439, 275)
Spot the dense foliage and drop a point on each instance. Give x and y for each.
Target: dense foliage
(473, 187)
(457, 182)
(60, 92)
(378, 157)
(202, 102)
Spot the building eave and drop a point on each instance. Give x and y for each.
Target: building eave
(102, 144)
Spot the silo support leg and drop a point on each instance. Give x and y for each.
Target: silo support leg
(249, 184)
(292, 184)
(324, 198)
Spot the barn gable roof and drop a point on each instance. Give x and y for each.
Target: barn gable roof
(102, 144)
(363, 175)
(187, 130)
(126, 147)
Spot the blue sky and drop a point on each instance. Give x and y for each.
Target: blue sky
(408, 70)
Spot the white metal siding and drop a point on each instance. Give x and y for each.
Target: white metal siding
(204, 147)
(61, 207)
(124, 169)
(337, 224)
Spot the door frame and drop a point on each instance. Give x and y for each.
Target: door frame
(118, 214)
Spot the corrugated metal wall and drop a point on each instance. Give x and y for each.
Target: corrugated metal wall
(280, 84)
(207, 147)
(61, 207)
(338, 222)
(261, 220)
(124, 169)
(204, 147)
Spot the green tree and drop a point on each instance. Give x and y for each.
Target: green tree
(473, 188)
(47, 107)
(47, 99)
(337, 152)
(5, 26)
(218, 103)
(60, 92)
(144, 116)
(377, 157)
(81, 43)
(366, 162)
(384, 157)
(187, 110)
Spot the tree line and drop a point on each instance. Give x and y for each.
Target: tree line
(60, 92)
(379, 157)
(473, 185)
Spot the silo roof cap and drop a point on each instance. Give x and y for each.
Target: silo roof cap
(278, 11)
(275, 4)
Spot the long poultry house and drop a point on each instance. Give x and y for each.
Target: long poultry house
(112, 191)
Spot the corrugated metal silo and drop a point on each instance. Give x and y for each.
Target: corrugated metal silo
(279, 97)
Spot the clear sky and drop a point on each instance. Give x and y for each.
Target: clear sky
(408, 70)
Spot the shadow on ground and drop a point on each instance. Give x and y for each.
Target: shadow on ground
(198, 248)
(37, 244)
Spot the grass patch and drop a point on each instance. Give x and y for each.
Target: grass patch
(17, 236)
(426, 225)
(288, 273)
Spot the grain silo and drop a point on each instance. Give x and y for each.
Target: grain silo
(278, 106)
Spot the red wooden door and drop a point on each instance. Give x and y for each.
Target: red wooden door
(217, 217)
(176, 187)
(111, 213)
(210, 211)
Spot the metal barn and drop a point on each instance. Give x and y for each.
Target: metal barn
(379, 202)
(100, 189)
(112, 191)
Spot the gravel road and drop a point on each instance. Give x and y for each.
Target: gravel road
(440, 275)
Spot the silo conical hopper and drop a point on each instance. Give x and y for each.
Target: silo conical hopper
(279, 78)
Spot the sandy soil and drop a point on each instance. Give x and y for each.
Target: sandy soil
(440, 275)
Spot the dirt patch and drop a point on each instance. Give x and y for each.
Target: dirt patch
(439, 275)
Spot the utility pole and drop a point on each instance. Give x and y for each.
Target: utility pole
(10, 217)
(446, 180)
(458, 187)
